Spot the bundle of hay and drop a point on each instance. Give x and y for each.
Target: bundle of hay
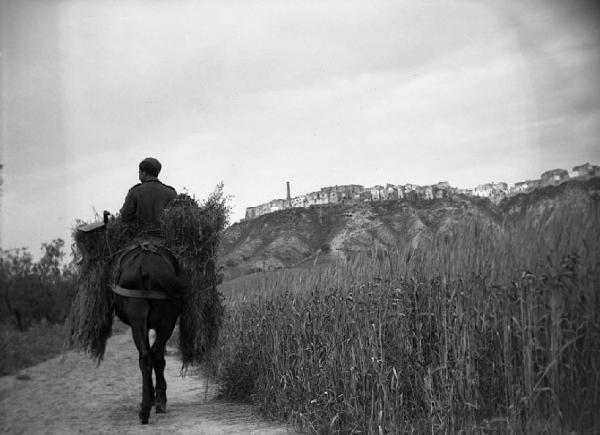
(192, 232)
(91, 315)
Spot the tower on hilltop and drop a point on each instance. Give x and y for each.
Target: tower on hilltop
(288, 198)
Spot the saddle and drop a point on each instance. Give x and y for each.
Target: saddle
(129, 256)
(154, 246)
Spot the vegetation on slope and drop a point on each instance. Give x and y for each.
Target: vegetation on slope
(290, 237)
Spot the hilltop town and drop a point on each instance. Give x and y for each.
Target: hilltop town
(495, 191)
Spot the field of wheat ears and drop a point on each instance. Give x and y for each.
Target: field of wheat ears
(491, 328)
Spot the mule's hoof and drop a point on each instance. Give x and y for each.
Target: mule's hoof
(144, 416)
(161, 406)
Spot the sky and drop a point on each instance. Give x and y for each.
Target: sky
(255, 93)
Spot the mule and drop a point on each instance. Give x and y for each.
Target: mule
(148, 294)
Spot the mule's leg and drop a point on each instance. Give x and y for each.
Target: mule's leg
(139, 328)
(163, 333)
(158, 364)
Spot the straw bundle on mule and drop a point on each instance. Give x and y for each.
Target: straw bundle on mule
(193, 233)
(90, 319)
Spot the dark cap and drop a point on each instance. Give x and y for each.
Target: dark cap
(151, 166)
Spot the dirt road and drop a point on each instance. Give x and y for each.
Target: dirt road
(69, 394)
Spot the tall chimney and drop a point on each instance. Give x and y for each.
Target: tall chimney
(289, 198)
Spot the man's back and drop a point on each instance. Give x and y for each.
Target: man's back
(145, 202)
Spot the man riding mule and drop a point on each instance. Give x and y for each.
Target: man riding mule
(152, 266)
(149, 284)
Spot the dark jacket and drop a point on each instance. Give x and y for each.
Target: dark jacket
(145, 202)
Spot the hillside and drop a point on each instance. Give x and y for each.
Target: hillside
(304, 236)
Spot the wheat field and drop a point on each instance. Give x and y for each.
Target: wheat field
(487, 328)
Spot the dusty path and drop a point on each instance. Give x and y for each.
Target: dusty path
(69, 394)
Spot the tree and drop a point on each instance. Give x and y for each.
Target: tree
(32, 291)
